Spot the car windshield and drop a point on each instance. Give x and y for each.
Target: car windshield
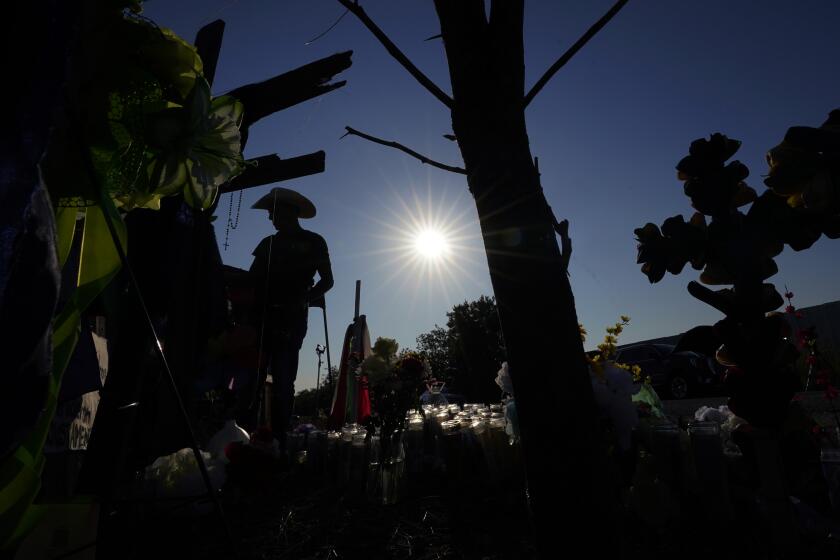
(665, 348)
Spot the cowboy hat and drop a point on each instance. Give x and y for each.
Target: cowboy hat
(288, 197)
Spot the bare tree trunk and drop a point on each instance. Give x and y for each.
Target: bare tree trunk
(562, 443)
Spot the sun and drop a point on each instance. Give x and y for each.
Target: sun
(426, 246)
(431, 244)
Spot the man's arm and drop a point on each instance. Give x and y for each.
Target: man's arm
(325, 281)
(325, 275)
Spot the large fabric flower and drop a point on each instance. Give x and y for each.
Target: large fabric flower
(805, 167)
(714, 186)
(196, 146)
(669, 249)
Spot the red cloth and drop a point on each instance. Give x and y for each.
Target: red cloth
(339, 403)
(350, 393)
(364, 400)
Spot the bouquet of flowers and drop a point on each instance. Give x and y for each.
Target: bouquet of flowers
(621, 393)
(394, 389)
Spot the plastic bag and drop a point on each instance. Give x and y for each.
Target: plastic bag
(178, 474)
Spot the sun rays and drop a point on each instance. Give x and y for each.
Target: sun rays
(425, 245)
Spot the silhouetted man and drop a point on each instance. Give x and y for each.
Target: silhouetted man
(283, 274)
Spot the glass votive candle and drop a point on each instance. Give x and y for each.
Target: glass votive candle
(830, 462)
(497, 422)
(450, 426)
(347, 432)
(665, 444)
(704, 429)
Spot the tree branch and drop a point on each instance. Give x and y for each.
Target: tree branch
(409, 151)
(567, 56)
(395, 52)
(562, 229)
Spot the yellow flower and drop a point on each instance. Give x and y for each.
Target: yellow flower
(625, 319)
(795, 200)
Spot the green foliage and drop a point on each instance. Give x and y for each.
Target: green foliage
(386, 349)
(375, 368)
(469, 351)
(396, 389)
(435, 348)
(313, 403)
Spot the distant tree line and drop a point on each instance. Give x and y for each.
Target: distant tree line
(309, 403)
(468, 351)
(466, 354)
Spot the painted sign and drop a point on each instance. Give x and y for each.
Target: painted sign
(74, 418)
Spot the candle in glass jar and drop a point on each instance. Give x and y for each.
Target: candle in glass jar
(498, 422)
(359, 439)
(347, 433)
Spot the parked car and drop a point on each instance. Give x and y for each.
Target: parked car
(675, 375)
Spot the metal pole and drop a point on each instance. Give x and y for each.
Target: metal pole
(327, 338)
(320, 351)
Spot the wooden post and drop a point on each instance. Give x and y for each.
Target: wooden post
(358, 299)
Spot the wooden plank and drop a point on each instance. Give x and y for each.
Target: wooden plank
(273, 169)
(208, 43)
(281, 92)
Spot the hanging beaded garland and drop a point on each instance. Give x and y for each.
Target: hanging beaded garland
(232, 221)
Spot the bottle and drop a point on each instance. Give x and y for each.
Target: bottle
(230, 433)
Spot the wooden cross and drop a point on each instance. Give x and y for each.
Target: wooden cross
(268, 97)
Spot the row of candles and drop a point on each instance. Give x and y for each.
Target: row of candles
(448, 439)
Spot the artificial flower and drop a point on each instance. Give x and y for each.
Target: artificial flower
(196, 146)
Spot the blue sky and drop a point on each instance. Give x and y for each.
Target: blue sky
(608, 130)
